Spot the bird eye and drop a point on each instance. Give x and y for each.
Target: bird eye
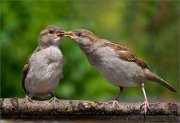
(51, 31)
(79, 34)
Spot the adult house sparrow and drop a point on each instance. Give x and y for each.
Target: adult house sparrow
(43, 70)
(115, 62)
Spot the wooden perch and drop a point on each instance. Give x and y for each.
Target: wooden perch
(16, 107)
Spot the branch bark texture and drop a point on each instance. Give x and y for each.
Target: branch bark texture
(13, 108)
(10, 106)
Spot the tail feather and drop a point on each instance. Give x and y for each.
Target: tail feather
(153, 77)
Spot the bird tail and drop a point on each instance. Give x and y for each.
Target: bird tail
(153, 77)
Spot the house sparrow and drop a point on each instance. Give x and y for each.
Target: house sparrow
(43, 70)
(115, 62)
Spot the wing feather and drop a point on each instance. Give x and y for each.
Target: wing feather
(126, 54)
(26, 70)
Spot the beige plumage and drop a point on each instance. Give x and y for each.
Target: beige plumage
(115, 62)
(42, 72)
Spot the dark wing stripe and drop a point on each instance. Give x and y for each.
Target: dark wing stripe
(126, 54)
(26, 70)
(24, 74)
(141, 63)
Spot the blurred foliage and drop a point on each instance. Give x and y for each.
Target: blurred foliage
(149, 28)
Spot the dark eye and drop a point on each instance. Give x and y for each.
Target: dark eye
(51, 31)
(79, 34)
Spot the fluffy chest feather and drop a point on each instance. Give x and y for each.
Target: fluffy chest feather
(115, 69)
(45, 70)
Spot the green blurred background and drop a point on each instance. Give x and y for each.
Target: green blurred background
(149, 28)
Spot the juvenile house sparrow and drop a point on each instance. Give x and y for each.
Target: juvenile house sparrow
(43, 70)
(115, 62)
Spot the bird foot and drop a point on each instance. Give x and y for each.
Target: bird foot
(54, 100)
(145, 104)
(27, 101)
(115, 103)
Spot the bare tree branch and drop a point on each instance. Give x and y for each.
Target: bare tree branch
(18, 107)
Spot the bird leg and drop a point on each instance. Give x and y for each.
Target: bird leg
(27, 100)
(145, 103)
(116, 102)
(121, 89)
(53, 99)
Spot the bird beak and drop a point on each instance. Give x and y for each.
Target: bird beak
(70, 34)
(60, 33)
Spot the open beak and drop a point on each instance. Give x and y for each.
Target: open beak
(60, 33)
(70, 34)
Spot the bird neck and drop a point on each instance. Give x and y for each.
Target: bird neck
(44, 46)
(47, 44)
(88, 49)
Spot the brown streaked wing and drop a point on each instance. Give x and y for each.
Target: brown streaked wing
(26, 69)
(141, 63)
(126, 54)
(24, 74)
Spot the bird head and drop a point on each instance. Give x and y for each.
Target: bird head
(51, 35)
(82, 37)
